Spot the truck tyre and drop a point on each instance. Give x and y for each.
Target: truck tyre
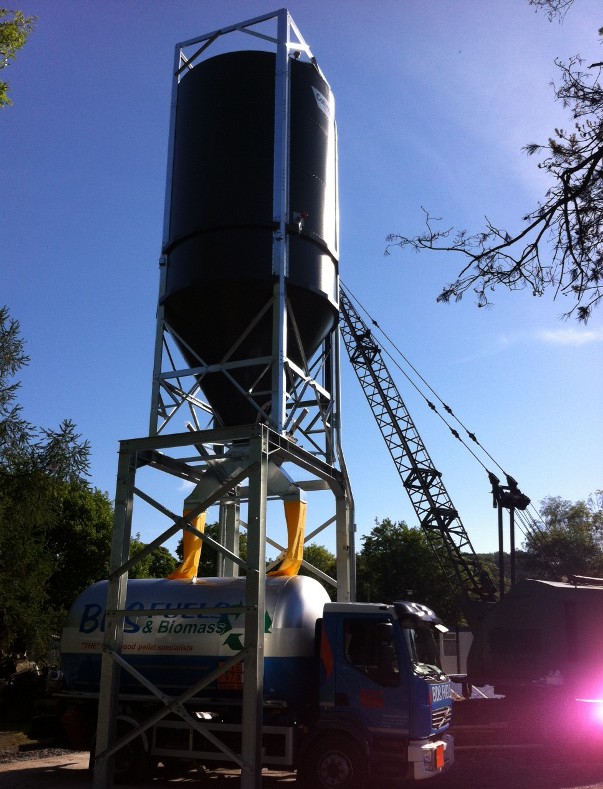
(333, 762)
(132, 763)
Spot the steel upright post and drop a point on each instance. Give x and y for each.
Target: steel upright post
(512, 544)
(344, 559)
(280, 202)
(116, 599)
(230, 512)
(251, 774)
(160, 328)
(501, 554)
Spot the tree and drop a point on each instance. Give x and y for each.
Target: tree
(321, 558)
(208, 565)
(559, 248)
(78, 538)
(55, 540)
(15, 432)
(55, 529)
(59, 453)
(571, 541)
(27, 619)
(15, 28)
(490, 563)
(34, 469)
(397, 562)
(555, 9)
(158, 564)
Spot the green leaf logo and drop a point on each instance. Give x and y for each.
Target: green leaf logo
(234, 642)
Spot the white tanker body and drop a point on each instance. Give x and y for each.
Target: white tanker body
(174, 651)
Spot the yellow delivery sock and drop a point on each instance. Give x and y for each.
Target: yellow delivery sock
(191, 550)
(295, 515)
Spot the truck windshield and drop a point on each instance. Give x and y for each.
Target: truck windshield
(421, 649)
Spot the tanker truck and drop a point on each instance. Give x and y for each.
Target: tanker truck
(353, 692)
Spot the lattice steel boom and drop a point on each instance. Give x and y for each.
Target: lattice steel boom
(437, 515)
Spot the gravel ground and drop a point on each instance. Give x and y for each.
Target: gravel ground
(8, 757)
(485, 768)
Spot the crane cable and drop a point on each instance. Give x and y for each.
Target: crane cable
(528, 524)
(431, 405)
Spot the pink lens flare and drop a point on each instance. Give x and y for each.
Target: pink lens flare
(593, 709)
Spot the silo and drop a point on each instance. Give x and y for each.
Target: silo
(219, 252)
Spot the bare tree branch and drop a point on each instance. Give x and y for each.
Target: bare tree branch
(554, 8)
(560, 246)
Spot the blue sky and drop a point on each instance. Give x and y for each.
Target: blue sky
(434, 101)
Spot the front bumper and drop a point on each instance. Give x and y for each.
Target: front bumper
(428, 759)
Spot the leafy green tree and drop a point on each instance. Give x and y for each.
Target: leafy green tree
(55, 540)
(162, 563)
(61, 454)
(489, 562)
(397, 563)
(27, 616)
(55, 529)
(559, 246)
(78, 537)
(44, 501)
(15, 432)
(208, 565)
(158, 564)
(321, 558)
(570, 542)
(15, 28)
(39, 470)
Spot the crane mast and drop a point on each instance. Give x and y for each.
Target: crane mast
(437, 515)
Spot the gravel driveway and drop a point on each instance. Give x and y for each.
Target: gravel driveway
(475, 768)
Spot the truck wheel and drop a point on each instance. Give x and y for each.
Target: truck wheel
(132, 763)
(333, 763)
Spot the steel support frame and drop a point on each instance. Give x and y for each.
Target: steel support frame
(177, 390)
(262, 445)
(305, 402)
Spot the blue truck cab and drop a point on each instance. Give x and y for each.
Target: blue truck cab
(385, 704)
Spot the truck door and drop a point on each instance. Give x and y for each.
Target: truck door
(369, 683)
